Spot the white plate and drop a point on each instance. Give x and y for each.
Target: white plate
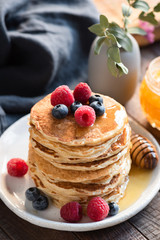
(14, 143)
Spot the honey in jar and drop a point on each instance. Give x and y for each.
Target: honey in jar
(150, 93)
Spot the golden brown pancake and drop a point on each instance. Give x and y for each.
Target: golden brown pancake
(71, 175)
(84, 166)
(67, 131)
(61, 152)
(116, 191)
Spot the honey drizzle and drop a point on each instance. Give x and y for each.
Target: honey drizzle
(138, 181)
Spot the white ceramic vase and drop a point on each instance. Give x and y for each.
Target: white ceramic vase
(101, 80)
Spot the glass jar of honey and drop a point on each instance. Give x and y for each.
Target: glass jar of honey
(150, 93)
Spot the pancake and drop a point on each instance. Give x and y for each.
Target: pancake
(88, 166)
(71, 175)
(81, 189)
(59, 200)
(113, 196)
(60, 152)
(68, 132)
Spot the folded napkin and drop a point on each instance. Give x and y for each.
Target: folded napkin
(44, 43)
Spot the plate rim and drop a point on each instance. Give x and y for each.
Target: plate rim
(64, 226)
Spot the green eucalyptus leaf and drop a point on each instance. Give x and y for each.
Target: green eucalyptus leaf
(112, 38)
(136, 30)
(125, 42)
(121, 36)
(114, 54)
(104, 21)
(97, 29)
(112, 67)
(122, 69)
(142, 5)
(120, 72)
(126, 22)
(107, 42)
(98, 45)
(157, 8)
(114, 24)
(118, 45)
(126, 10)
(150, 17)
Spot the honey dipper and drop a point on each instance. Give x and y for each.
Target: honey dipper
(143, 152)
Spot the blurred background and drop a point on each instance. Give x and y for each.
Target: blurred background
(46, 43)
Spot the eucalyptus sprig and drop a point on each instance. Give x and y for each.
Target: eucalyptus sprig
(116, 37)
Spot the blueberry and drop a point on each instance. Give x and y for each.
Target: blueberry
(40, 203)
(75, 106)
(95, 98)
(113, 209)
(32, 193)
(98, 108)
(60, 111)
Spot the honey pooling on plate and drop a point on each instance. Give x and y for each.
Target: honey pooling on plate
(150, 93)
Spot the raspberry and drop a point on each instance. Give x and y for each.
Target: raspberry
(85, 116)
(71, 212)
(17, 167)
(62, 95)
(97, 209)
(82, 92)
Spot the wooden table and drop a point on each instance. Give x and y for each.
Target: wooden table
(145, 225)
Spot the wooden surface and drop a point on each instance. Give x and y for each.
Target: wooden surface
(145, 225)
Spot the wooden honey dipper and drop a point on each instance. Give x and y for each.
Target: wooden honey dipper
(143, 152)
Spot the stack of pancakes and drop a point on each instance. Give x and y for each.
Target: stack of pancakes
(73, 163)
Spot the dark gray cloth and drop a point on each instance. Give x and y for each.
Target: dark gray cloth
(44, 43)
